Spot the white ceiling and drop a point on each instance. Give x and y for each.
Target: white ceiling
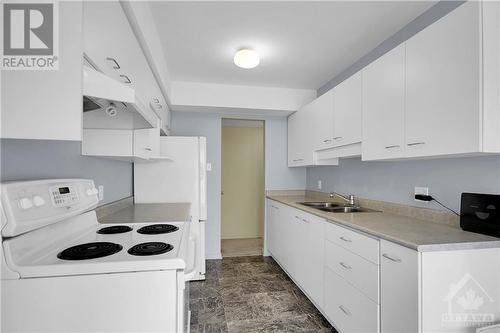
(302, 44)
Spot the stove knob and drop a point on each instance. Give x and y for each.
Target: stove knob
(25, 203)
(38, 201)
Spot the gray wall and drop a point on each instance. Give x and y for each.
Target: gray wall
(278, 175)
(395, 181)
(38, 159)
(425, 19)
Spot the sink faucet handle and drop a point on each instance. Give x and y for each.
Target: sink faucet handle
(351, 199)
(332, 195)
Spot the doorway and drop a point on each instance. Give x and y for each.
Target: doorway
(242, 202)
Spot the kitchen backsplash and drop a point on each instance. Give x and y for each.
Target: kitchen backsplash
(37, 159)
(395, 181)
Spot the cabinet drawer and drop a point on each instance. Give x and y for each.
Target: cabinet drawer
(359, 272)
(347, 308)
(362, 245)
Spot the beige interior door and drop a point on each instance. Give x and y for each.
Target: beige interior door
(242, 182)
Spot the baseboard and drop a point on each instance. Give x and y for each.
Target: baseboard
(242, 237)
(212, 256)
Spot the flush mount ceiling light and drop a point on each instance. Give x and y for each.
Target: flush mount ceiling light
(246, 58)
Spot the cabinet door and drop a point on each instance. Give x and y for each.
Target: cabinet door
(300, 152)
(293, 139)
(398, 288)
(443, 85)
(383, 106)
(47, 104)
(110, 43)
(310, 234)
(347, 111)
(273, 228)
(147, 143)
(321, 114)
(289, 241)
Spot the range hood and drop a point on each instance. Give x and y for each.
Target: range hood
(109, 104)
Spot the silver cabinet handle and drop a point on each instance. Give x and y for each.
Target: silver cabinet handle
(298, 160)
(148, 149)
(298, 217)
(393, 146)
(345, 239)
(337, 138)
(346, 266)
(344, 310)
(117, 65)
(415, 144)
(275, 207)
(327, 140)
(304, 220)
(385, 255)
(126, 78)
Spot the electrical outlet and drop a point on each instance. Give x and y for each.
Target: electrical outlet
(421, 190)
(320, 185)
(101, 192)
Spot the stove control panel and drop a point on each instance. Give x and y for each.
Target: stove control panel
(63, 195)
(29, 205)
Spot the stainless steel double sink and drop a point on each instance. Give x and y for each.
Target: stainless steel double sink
(331, 207)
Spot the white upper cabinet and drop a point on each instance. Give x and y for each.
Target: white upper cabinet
(438, 93)
(347, 111)
(111, 45)
(443, 86)
(322, 117)
(383, 106)
(139, 145)
(300, 152)
(47, 104)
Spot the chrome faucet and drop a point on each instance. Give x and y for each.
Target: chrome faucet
(349, 198)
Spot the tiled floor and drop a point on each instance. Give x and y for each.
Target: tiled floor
(251, 294)
(241, 247)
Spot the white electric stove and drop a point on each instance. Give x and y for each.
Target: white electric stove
(62, 271)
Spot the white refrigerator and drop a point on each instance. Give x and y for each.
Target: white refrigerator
(182, 178)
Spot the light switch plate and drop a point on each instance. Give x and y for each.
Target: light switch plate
(209, 166)
(320, 185)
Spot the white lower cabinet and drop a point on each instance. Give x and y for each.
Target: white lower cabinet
(398, 288)
(347, 308)
(309, 256)
(356, 270)
(362, 284)
(289, 227)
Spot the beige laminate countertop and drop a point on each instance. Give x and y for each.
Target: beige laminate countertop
(153, 212)
(413, 233)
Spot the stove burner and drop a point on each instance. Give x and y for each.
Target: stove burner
(90, 251)
(150, 248)
(116, 229)
(154, 229)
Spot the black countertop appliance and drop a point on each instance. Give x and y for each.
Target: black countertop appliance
(480, 213)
